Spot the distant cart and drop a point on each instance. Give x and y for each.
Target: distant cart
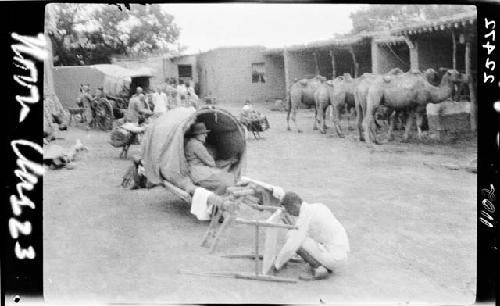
(119, 83)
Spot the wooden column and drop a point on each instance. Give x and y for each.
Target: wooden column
(316, 64)
(356, 65)
(472, 89)
(454, 50)
(287, 75)
(332, 56)
(374, 56)
(413, 46)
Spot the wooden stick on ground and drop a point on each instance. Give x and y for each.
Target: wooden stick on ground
(256, 254)
(211, 228)
(252, 256)
(264, 224)
(227, 221)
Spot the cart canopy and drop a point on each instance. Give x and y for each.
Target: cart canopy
(116, 77)
(163, 144)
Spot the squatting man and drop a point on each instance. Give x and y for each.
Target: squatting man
(319, 239)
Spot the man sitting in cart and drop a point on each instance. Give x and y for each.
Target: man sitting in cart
(204, 170)
(320, 238)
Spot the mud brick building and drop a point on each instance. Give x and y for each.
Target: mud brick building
(258, 74)
(237, 74)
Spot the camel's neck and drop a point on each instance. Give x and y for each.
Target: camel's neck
(441, 93)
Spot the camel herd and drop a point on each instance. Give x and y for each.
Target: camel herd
(404, 94)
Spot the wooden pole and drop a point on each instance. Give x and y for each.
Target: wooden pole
(287, 76)
(316, 64)
(472, 89)
(412, 45)
(334, 73)
(454, 50)
(256, 258)
(263, 223)
(227, 221)
(356, 65)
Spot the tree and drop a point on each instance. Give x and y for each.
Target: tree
(384, 17)
(85, 34)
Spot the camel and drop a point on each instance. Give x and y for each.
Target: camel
(302, 91)
(401, 115)
(322, 100)
(409, 92)
(361, 87)
(339, 94)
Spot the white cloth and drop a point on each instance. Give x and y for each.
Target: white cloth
(190, 91)
(182, 89)
(278, 192)
(319, 233)
(247, 107)
(199, 204)
(132, 127)
(160, 103)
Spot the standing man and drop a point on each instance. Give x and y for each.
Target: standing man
(182, 94)
(171, 92)
(85, 101)
(159, 102)
(320, 238)
(191, 95)
(138, 110)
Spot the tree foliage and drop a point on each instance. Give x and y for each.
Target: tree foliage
(84, 34)
(385, 17)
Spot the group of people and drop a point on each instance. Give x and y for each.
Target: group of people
(100, 110)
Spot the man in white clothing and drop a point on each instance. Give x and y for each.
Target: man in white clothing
(159, 102)
(182, 94)
(320, 238)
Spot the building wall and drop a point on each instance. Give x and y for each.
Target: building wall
(226, 74)
(300, 65)
(206, 63)
(170, 68)
(343, 62)
(387, 60)
(67, 80)
(435, 51)
(157, 65)
(173, 70)
(325, 64)
(363, 57)
(275, 77)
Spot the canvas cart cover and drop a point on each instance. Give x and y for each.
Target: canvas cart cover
(116, 77)
(163, 144)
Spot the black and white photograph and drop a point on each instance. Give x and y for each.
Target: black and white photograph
(277, 153)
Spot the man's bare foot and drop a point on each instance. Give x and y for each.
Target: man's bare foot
(317, 274)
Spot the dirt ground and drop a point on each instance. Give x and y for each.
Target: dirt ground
(411, 224)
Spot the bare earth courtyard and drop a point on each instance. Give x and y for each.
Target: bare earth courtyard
(412, 227)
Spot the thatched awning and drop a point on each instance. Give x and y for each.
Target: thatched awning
(444, 23)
